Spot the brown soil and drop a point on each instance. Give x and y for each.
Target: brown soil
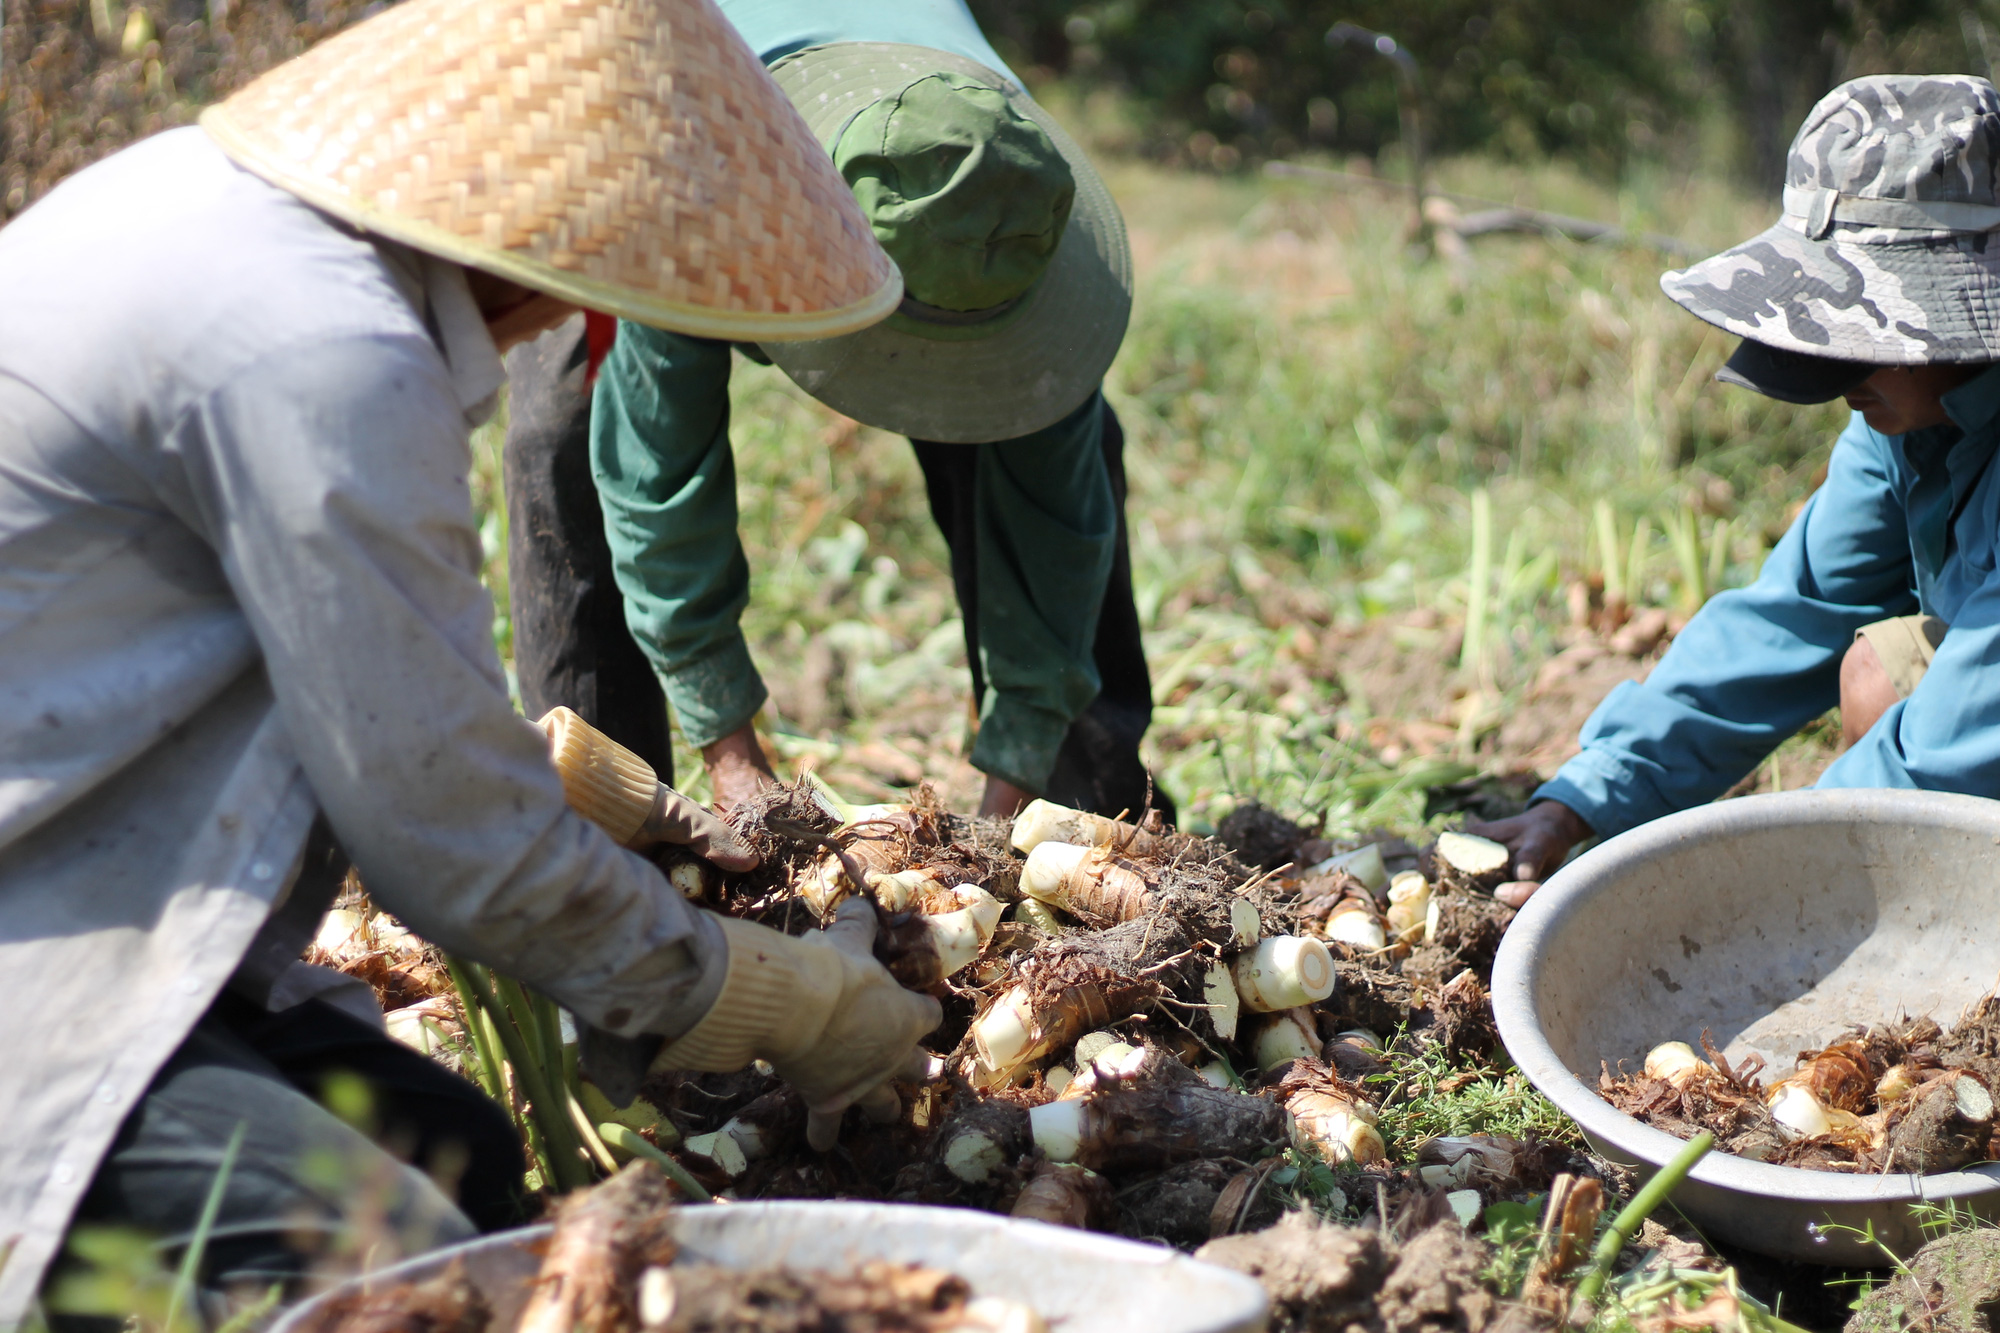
(1330, 1279)
(1261, 837)
(1951, 1286)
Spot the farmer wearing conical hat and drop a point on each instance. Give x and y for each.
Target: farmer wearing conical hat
(243, 639)
(1880, 285)
(626, 574)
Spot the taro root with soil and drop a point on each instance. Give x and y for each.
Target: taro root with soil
(1140, 1031)
(1908, 1097)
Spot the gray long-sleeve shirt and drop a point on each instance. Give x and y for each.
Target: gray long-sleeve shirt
(239, 583)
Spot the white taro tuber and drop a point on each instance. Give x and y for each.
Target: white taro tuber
(1471, 862)
(1283, 972)
(1045, 821)
(1794, 1107)
(1062, 1194)
(1409, 904)
(1245, 928)
(1339, 1129)
(876, 845)
(1364, 863)
(1280, 1038)
(1087, 882)
(1676, 1063)
(1355, 923)
(1896, 1083)
(923, 950)
(982, 1139)
(1225, 1007)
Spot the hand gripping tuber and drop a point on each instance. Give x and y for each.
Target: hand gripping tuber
(829, 1018)
(619, 792)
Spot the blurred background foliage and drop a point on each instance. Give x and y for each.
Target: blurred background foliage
(1218, 84)
(1222, 82)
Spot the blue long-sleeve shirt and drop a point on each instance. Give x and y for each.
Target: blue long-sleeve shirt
(1904, 524)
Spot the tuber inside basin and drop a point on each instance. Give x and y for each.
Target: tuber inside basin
(1775, 923)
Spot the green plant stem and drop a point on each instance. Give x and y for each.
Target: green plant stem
(1649, 1197)
(565, 1167)
(593, 1142)
(482, 1045)
(1479, 580)
(211, 1207)
(629, 1140)
(1635, 561)
(1718, 555)
(1684, 531)
(1607, 550)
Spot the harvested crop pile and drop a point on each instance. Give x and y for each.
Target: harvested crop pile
(1908, 1097)
(1141, 1035)
(612, 1266)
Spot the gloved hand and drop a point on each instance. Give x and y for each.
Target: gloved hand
(829, 1018)
(619, 792)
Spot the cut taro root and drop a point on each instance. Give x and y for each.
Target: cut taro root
(603, 1240)
(1064, 1194)
(1947, 1126)
(1045, 821)
(1462, 861)
(1093, 883)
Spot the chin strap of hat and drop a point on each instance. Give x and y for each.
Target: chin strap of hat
(600, 332)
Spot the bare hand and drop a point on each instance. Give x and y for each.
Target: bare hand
(737, 769)
(1003, 798)
(1539, 838)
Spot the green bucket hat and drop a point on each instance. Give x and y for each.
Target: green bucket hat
(1017, 275)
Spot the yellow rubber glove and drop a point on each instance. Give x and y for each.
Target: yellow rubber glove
(829, 1018)
(619, 792)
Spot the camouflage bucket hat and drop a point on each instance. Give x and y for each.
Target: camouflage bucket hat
(1889, 248)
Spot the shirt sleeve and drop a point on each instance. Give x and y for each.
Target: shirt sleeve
(1755, 664)
(1946, 735)
(1046, 528)
(332, 479)
(659, 450)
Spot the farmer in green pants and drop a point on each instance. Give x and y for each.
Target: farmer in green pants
(627, 578)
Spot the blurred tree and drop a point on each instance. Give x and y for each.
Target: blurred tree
(1227, 79)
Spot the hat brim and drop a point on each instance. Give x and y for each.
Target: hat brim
(1792, 377)
(621, 300)
(959, 383)
(1934, 300)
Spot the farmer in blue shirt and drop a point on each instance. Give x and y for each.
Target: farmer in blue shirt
(1881, 284)
(627, 578)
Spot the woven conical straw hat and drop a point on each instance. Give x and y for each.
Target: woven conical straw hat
(631, 156)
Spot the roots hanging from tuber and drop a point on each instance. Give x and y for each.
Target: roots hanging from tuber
(1877, 1100)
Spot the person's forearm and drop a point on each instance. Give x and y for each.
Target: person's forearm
(1753, 665)
(1046, 529)
(666, 477)
(337, 478)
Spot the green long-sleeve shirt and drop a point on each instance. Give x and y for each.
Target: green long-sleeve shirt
(1045, 518)
(1045, 524)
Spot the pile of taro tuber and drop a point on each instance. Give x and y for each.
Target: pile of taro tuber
(1137, 1024)
(1910, 1097)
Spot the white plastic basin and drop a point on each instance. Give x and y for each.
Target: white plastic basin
(1775, 922)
